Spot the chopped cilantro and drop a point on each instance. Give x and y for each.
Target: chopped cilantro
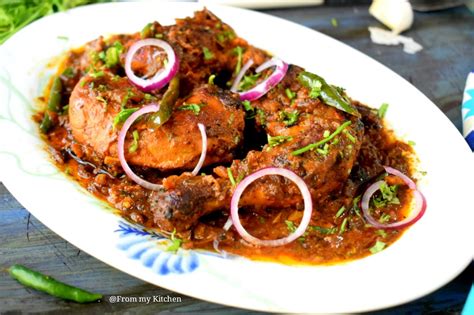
(379, 246)
(290, 225)
(277, 140)
(261, 116)
(175, 243)
(290, 94)
(195, 108)
(248, 81)
(349, 136)
(210, 81)
(238, 51)
(340, 211)
(224, 36)
(388, 196)
(342, 229)
(324, 230)
(384, 218)
(68, 72)
(382, 233)
(289, 118)
(231, 176)
(112, 55)
(412, 143)
(134, 146)
(324, 150)
(97, 74)
(382, 110)
(123, 115)
(323, 141)
(208, 55)
(247, 106)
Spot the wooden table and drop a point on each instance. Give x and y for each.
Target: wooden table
(439, 71)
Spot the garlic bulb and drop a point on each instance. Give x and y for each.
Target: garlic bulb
(395, 14)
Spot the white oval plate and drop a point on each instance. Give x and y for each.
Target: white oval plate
(428, 255)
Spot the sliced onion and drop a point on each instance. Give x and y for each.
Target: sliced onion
(308, 206)
(240, 75)
(121, 147)
(163, 76)
(198, 166)
(266, 85)
(415, 214)
(121, 144)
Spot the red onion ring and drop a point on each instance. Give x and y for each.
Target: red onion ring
(163, 76)
(308, 206)
(198, 166)
(121, 147)
(416, 213)
(266, 85)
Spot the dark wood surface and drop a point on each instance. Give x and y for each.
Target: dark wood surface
(439, 71)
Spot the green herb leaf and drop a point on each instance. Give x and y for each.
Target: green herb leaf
(289, 118)
(210, 81)
(323, 141)
(134, 146)
(319, 88)
(290, 225)
(175, 243)
(388, 195)
(342, 229)
(195, 108)
(247, 106)
(112, 55)
(324, 230)
(248, 81)
(123, 115)
(238, 51)
(290, 94)
(208, 55)
(382, 110)
(277, 140)
(379, 246)
(231, 176)
(340, 211)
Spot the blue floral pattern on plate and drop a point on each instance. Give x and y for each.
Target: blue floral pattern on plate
(151, 250)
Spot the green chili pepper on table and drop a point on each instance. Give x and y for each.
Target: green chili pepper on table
(167, 102)
(40, 282)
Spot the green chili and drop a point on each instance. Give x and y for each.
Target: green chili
(167, 102)
(326, 92)
(40, 282)
(46, 123)
(54, 101)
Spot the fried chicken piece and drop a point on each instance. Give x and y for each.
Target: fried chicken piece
(324, 169)
(174, 145)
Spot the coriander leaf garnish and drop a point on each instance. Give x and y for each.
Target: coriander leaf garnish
(123, 115)
(323, 141)
(382, 111)
(238, 51)
(134, 146)
(175, 243)
(208, 55)
(277, 140)
(195, 108)
(289, 118)
(379, 246)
